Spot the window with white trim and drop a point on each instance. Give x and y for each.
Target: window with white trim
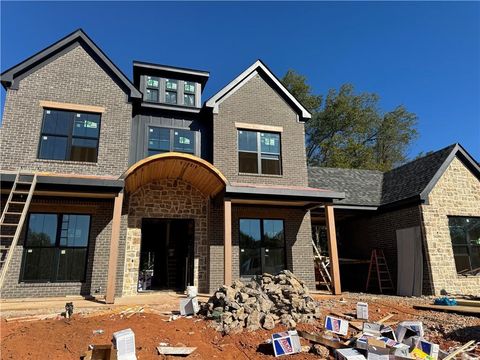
(259, 152)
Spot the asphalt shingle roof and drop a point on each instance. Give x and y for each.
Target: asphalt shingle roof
(374, 188)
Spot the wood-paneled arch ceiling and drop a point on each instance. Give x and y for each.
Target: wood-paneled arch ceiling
(172, 165)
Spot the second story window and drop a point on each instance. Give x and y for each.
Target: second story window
(152, 87)
(69, 135)
(171, 87)
(161, 140)
(259, 152)
(189, 93)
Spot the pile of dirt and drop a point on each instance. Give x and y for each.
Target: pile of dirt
(263, 302)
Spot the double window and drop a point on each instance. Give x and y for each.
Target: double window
(262, 246)
(161, 140)
(69, 135)
(55, 247)
(259, 152)
(465, 235)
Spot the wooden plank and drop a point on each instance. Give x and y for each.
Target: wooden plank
(457, 309)
(227, 246)
(459, 350)
(248, 126)
(174, 350)
(332, 249)
(70, 106)
(381, 321)
(113, 253)
(465, 302)
(321, 340)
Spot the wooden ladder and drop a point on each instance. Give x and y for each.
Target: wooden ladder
(381, 271)
(322, 268)
(13, 217)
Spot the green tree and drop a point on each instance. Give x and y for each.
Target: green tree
(349, 130)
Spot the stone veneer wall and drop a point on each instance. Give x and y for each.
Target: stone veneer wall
(457, 193)
(166, 199)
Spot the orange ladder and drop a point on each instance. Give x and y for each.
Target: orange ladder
(381, 271)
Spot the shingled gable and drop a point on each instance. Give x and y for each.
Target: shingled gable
(10, 78)
(244, 77)
(410, 182)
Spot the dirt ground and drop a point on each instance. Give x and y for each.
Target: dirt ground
(69, 338)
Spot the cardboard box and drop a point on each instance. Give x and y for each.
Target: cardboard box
(336, 325)
(348, 354)
(378, 353)
(189, 306)
(285, 343)
(362, 310)
(372, 329)
(428, 348)
(362, 342)
(419, 354)
(124, 342)
(407, 329)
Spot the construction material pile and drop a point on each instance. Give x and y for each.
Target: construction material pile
(262, 303)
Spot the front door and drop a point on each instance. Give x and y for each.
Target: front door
(166, 254)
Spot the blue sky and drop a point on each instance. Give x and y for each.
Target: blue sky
(423, 55)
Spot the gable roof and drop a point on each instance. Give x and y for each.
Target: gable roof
(245, 76)
(411, 181)
(11, 77)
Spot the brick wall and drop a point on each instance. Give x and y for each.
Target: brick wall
(456, 193)
(76, 78)
(257, 102)
(97, 260)
(359, 235)
(166, 199)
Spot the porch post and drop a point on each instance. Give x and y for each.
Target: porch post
(113, 255)
(227, 246)
(332, 249)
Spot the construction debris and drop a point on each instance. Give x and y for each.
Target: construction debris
(124, 342)
(100, 352)
(336, 325)
(286, 343)
(362, 310)
(262, 303)
(175, 350)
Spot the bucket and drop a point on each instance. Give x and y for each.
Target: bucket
(192, 291)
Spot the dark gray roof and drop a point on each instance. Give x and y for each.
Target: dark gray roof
(412, 181)
(361, 187)
(13, 75)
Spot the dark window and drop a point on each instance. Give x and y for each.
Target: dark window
(171, 91)
(162, 140)
(262, 246)
(69, 135)
(56, 247)
(259, 152)
(189, 93)
(465, 235)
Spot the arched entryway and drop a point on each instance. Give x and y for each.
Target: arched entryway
(168, 198)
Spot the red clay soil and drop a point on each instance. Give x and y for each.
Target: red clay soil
(69, 339)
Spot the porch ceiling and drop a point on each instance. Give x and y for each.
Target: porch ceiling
(191, 169)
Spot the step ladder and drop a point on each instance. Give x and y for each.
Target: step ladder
(322, 265)
(381, 272)
(13, 217)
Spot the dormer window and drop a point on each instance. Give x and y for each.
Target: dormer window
(171, 87)
(189, 93)
(152, 89)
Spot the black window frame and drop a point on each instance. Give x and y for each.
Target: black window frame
(467, 244)
(171, 140)
(58, 248)
(171, 91)
(189, 93)
(151, 87)
(259, 152)
(261, 243)
(70, 137)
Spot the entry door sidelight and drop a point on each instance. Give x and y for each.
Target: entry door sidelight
(262, 246)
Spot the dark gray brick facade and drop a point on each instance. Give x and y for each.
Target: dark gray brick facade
(256, 102)
(77, 78)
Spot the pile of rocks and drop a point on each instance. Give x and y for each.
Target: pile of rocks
(263, 302)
